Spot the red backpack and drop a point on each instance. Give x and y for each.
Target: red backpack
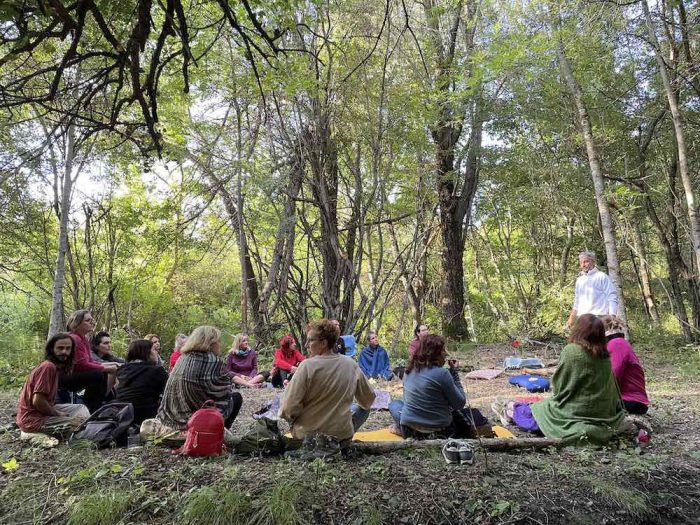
(205, 432)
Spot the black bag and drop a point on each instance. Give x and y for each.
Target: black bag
(107, 426)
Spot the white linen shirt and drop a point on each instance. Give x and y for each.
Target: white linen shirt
(595, 294)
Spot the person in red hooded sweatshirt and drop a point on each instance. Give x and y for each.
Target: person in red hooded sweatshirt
(86, 374)
(284, 364)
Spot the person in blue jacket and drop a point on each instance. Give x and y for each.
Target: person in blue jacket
(374, 361)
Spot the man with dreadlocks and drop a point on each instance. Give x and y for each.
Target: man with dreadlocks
(36, 409)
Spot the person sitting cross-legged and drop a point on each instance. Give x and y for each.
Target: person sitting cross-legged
(320, 397)
(198, 376)
(627, 369)
(141, 381)
(36, 409)
(585, 405)
(285, 362)
(433, 397)
(95, 378)
(242, 364)
(374, 361)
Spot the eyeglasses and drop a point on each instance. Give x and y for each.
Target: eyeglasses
(312, 340)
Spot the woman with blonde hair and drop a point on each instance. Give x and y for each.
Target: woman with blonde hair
(242, 364)
(198, 376)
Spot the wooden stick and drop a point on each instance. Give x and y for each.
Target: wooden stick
(493, 444)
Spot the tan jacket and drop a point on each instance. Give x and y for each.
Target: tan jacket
(319, 396)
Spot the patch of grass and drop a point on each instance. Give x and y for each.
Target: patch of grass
(19, 501)
(372, 516)
(631, 501)
(105, 508)
(279, 505)
(217, 505)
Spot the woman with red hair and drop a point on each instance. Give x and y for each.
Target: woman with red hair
(287, 358)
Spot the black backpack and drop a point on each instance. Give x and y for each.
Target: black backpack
(107, 426)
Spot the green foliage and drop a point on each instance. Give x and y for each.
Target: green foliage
(217, 504)
(105, 508)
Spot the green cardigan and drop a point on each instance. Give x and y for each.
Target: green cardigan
(585, 407)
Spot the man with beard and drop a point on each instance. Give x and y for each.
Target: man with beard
(36, 409)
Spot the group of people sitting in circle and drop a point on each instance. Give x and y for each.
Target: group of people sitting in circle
(598, 378)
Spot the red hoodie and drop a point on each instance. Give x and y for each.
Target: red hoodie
(285, 363)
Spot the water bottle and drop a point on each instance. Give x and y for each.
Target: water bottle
(133, 438)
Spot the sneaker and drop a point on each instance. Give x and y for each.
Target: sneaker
(450, 451)
(37, 438)
(466, 454)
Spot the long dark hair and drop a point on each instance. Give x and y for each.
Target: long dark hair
(139, 349)
(589, 333)
(431, 352)
(96, 340)
(50, 356)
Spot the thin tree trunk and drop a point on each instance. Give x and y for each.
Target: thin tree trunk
(57, 320)
(682, 152)
(597, 175)
(564, 263)
(640, 249)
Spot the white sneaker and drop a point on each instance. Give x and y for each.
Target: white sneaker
(37, 438)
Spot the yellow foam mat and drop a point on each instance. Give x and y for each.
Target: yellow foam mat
(502, 432)
(376, 435)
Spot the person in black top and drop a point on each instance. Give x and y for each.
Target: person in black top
(101, 346)
(340, 344)
(141, 381)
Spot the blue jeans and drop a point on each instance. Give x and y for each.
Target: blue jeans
(395, 409)
(359, 416)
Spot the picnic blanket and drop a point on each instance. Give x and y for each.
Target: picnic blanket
(270, 410)
(484, 373)
(382, 400)
(530, 383)
(522, 362)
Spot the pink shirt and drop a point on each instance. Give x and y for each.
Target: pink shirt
(628, 371)
(82, 362)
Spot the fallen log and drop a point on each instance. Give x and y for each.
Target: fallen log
(493, 444)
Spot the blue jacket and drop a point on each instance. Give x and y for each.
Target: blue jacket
(374, 362)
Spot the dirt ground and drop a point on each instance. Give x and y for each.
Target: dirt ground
(658, 484)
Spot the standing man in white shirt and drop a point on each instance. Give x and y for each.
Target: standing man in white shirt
(595, 292)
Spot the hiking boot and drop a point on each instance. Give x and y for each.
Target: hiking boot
(450, 451)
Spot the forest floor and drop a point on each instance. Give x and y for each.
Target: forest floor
(657, 484)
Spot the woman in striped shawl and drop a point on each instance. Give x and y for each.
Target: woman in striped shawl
(199, 375)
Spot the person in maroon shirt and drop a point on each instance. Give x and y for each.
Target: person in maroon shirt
(420, 333)
(37, 410)
(86, 374)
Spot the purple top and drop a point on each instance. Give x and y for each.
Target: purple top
(628, 371)
(246, 366)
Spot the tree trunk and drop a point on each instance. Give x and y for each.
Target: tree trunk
(455, 191)
(597, 175)
(564, 263)
(682, 152)
(645, 285)
(57, 320)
